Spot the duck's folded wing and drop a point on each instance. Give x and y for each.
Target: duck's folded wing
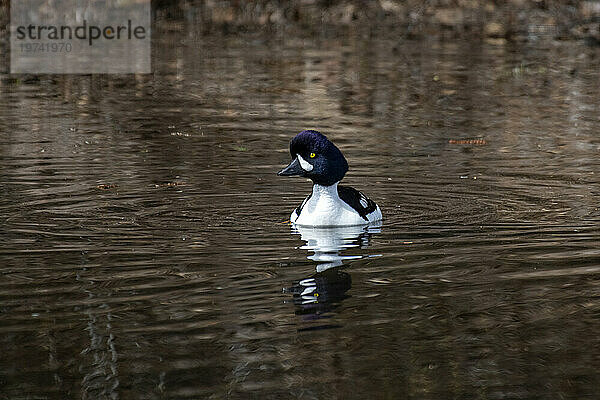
(357, 200)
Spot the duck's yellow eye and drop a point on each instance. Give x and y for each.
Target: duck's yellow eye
(312, 155)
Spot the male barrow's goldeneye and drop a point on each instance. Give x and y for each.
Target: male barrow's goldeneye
(315, 157)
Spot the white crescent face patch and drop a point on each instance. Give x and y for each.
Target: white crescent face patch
(304, 164)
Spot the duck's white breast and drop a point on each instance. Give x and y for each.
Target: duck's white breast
(325, 208)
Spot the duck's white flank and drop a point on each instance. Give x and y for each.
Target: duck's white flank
(325, 208)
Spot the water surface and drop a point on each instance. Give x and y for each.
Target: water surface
(145, 253)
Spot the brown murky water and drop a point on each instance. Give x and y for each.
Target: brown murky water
(144, 255)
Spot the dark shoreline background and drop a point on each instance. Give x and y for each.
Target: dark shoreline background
(507, 20)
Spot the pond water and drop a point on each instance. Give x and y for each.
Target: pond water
(145, 250)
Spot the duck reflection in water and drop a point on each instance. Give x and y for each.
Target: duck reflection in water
(323, 291)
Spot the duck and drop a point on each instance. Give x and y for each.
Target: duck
(330, 204)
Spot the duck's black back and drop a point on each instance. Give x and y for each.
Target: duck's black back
(357, 200)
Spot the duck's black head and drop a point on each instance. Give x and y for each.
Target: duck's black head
(315, 157)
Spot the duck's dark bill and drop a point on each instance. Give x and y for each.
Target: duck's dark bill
(293, 169)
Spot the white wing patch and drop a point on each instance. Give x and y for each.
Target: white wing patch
(304, 164)
(363, 200)
(307, 282)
